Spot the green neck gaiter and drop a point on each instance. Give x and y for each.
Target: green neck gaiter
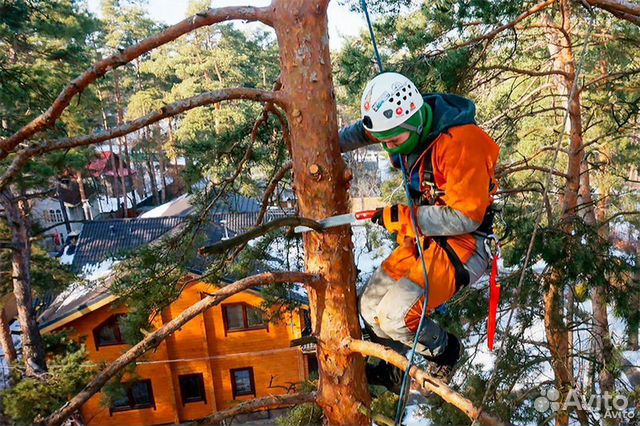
(422, 118)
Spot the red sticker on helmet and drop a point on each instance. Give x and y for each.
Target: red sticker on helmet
(412, 106)
(367, 106)
(399, 111)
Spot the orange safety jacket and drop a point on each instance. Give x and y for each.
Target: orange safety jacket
(452, 181)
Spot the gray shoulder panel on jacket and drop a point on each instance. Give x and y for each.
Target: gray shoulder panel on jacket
(353, 137)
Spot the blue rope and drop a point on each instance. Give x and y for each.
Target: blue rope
(373, 36)
(414, 219)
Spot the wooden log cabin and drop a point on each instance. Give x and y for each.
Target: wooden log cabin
(226, 355)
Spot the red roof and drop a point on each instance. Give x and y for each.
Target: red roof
(102, 166)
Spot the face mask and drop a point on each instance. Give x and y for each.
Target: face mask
(416, 125)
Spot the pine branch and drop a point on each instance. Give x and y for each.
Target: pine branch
(207, 98)
(222, 246)
(492, 34)
(424, 380)
(258, 404)
(152, 340)
(271, 188)
(100, 68)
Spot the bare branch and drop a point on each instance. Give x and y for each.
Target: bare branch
(170, 110)
(271, 188)
(258, 404)
(51, 115)
(526, 72)
(490, 35)
(606, 78)
(223, 245)
(152, 340)
(620, 8)
(504, 172)
(423, 379)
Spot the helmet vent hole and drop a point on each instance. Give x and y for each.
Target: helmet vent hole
(390, 100)
(406, 112)
(367, 122)
(409, 93)
(399, 102)
(404, 98)
(397, 93)
(404, 89)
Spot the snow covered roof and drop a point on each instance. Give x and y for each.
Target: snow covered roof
(180, 206)
(101, 240)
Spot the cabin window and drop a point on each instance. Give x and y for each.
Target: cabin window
(136, 396)
(192, 388)
(242, 382)
(240, 316)
(108, 333)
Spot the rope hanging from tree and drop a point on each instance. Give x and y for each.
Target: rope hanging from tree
(515, 303)
(406, 377)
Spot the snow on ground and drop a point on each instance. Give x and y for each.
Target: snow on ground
(413, 416)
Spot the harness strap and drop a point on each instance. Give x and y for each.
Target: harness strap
(461, 273)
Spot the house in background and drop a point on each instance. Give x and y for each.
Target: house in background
(92, 195)
(225, 355)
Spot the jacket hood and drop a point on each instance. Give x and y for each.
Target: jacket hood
(449, 111)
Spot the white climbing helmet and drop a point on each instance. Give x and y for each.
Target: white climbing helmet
(389, 100)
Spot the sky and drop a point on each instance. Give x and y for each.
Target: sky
(342, 22)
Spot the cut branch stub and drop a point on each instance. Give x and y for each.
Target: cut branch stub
(307, 89)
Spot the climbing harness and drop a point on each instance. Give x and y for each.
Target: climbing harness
(461, 273)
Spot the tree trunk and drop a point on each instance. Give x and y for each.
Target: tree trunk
(152, 178)
(123, 182)
(112, 160)
(18, 222)
(163, 176)
(301, 29)
(86, 207)
(559, 44)
(124, 144)
(604, 349)
(6, 340)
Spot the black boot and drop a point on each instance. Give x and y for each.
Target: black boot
(442, 366)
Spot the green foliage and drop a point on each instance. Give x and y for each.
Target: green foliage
(301, 415)
(31, 397)
(148, 280)
(385, 404)
(48, 276)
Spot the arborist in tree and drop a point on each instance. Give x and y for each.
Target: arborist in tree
(450, 165)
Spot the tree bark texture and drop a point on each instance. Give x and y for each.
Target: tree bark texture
(18, 221)
(301, 29)
(6, 340)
